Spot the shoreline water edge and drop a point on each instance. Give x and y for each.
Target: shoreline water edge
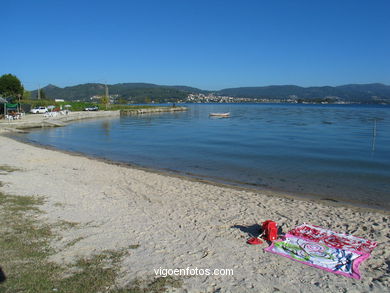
(44, 122)
(179, 222)
(213, 181)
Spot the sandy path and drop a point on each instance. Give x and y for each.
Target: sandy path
(180, 223)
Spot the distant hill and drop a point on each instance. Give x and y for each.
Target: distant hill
(136, 92)
(141, 92)
(364, 93)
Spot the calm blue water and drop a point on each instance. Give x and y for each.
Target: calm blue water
(323, 151)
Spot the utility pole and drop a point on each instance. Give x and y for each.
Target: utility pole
(107, 97)
(106, 90)
(39, 92)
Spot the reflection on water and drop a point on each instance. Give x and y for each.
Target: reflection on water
(106, 127)
(337, 152)
(374, 136)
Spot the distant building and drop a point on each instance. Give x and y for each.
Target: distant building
(59, 100)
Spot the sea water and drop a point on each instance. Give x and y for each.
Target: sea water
(332, 152)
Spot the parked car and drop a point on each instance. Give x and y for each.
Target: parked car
(94, 108)
(39, 110)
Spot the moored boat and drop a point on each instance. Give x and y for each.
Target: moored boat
(220, 114)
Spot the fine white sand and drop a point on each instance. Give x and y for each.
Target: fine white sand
(180, 223)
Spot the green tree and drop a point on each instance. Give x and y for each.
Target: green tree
(105, 101)
(11, 87)
(26, 95)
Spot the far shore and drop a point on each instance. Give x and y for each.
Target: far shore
(180, 222)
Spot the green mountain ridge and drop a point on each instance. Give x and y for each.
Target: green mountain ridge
(141, 92)
(136, 92)
(352, 92)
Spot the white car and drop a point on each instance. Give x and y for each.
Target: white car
(39, 110)
(94, 108)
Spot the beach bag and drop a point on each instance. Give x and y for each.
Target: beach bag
(269, 230)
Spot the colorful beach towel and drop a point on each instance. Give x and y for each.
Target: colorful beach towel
(333, 239)
(324, 249)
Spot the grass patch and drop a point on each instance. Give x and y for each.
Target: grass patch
(66, 224)
(59, 205)
(94, 274)
(25, 248)
(74, 241)
(24, 245)
(8, 169)
(16, 204)
(134, 246)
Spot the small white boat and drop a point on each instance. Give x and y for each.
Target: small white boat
(220, 114)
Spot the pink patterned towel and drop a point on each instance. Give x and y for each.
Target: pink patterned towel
(333, 239)
(324, 249)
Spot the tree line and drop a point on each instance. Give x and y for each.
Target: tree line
(12, 89)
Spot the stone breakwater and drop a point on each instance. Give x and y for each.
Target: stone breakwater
(152, 110)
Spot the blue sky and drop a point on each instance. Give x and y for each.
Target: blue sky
(207, 44)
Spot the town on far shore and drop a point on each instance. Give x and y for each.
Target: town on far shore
(293, 99)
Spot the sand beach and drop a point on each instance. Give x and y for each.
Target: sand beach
(176, 223)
